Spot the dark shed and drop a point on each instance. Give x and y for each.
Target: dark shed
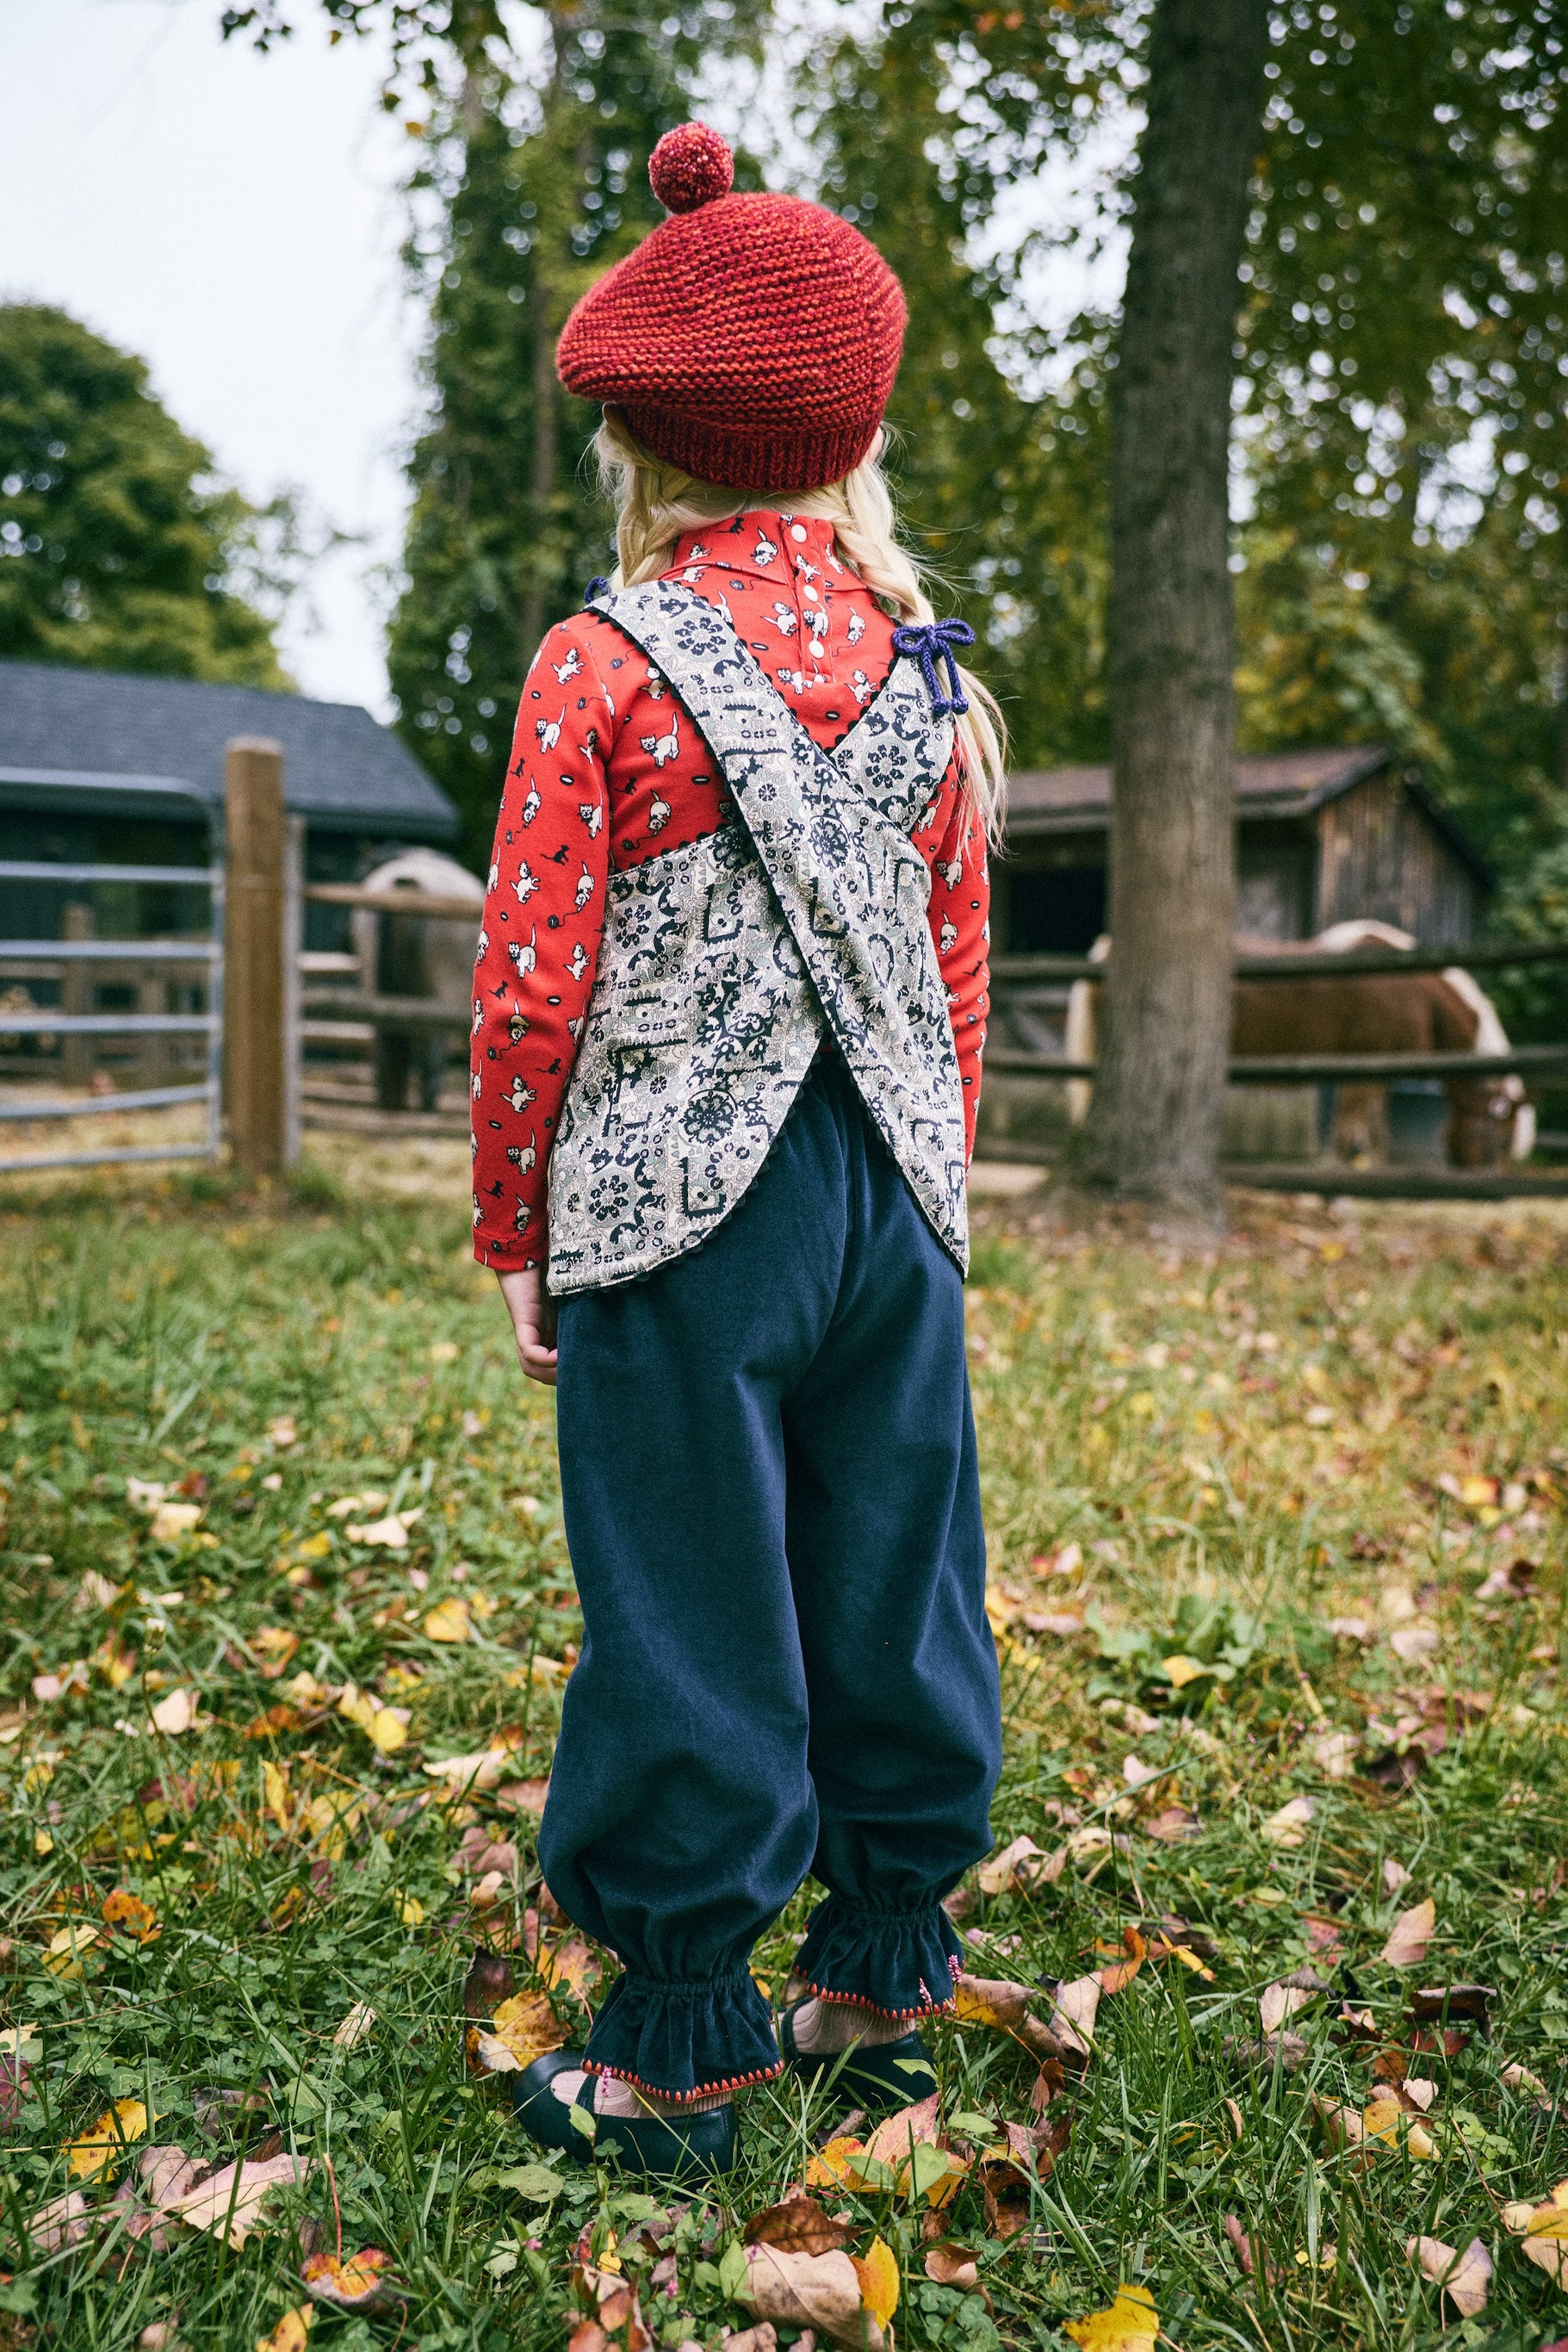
(1322, 838)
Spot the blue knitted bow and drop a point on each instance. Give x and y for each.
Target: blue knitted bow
(928, 640)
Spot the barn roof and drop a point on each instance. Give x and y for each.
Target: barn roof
(342, 772)
(1043, 801)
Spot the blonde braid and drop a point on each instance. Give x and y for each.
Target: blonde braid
(655, 504)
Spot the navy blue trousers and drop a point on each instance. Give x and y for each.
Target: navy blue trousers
(768, 1467)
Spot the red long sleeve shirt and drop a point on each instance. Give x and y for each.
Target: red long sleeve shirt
(608, 770)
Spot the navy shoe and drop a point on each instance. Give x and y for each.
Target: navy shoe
(894, 2074)
(687, 2150)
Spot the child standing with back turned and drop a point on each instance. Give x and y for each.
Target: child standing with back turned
(728, 1013)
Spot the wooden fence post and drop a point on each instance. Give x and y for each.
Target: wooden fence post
(254, 981)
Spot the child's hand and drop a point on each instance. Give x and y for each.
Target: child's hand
(532, 1310)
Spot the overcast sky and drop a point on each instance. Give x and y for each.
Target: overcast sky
(235, 220)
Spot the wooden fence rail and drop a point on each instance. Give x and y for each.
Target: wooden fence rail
(1471, 955)
(1318, 1069)
(394, 902)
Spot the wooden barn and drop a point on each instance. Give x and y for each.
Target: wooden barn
(1322, 837)
(99, 768)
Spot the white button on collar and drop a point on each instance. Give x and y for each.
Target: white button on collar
(796, 530)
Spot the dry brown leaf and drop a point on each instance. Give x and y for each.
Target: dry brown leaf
(952, 2266)
(1395, 1875)
(1465, 2278)
(1343, 2132)
(991, 2000)
(797, 2226)
(360, 2022)
(574, 1963)
(1279, 2002)
(816, 2290)
(487, 1984)
(1009, 1868)
(1250, 2258)
(481, 1769)
(1287, 2050)
(1288, 1826)
(1120, 1975)
(1410, 1934)
(909, 2127)
(1445, 2004)
(230, 2203)
(175, 1714)
(1075, 2007)
(1173, 1825)
(63, 2222)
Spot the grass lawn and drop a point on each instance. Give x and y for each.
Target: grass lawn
(1275, 1543)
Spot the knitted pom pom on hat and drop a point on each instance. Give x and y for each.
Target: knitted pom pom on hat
(751, 340)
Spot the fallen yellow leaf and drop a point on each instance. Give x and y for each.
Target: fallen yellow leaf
(1131, 2324)
(878, 2274)
(63, 1957)
(290, 2332)
(834, 2165)
(1183, 1671)
(448, 1621)
(528, 2026)
(172, 1520)
(411, 1911)
(126, 2120)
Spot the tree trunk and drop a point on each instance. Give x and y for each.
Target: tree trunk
(1153, 1128)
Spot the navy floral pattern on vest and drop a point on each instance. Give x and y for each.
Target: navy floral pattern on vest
(722, 964)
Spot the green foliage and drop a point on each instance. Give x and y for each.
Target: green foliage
(525, 194)
(1002, 494)
(118, 549)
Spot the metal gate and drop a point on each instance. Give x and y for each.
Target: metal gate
(76, 959)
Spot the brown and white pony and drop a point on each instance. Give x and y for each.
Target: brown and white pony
(1490, 1120)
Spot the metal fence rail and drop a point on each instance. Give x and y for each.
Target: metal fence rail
(204, 955)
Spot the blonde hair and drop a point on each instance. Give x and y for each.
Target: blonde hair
(655, 504)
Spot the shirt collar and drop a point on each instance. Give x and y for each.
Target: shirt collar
(761, 542)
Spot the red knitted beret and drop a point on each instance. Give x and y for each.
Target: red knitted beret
(750, 340)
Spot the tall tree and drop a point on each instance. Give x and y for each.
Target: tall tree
(119, 550)
(1153, 1132)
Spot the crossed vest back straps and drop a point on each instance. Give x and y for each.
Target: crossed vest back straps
(723, 962)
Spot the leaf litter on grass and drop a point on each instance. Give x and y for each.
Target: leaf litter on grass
(1239, 1575)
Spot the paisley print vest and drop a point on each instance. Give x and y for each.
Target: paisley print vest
(724, 962)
